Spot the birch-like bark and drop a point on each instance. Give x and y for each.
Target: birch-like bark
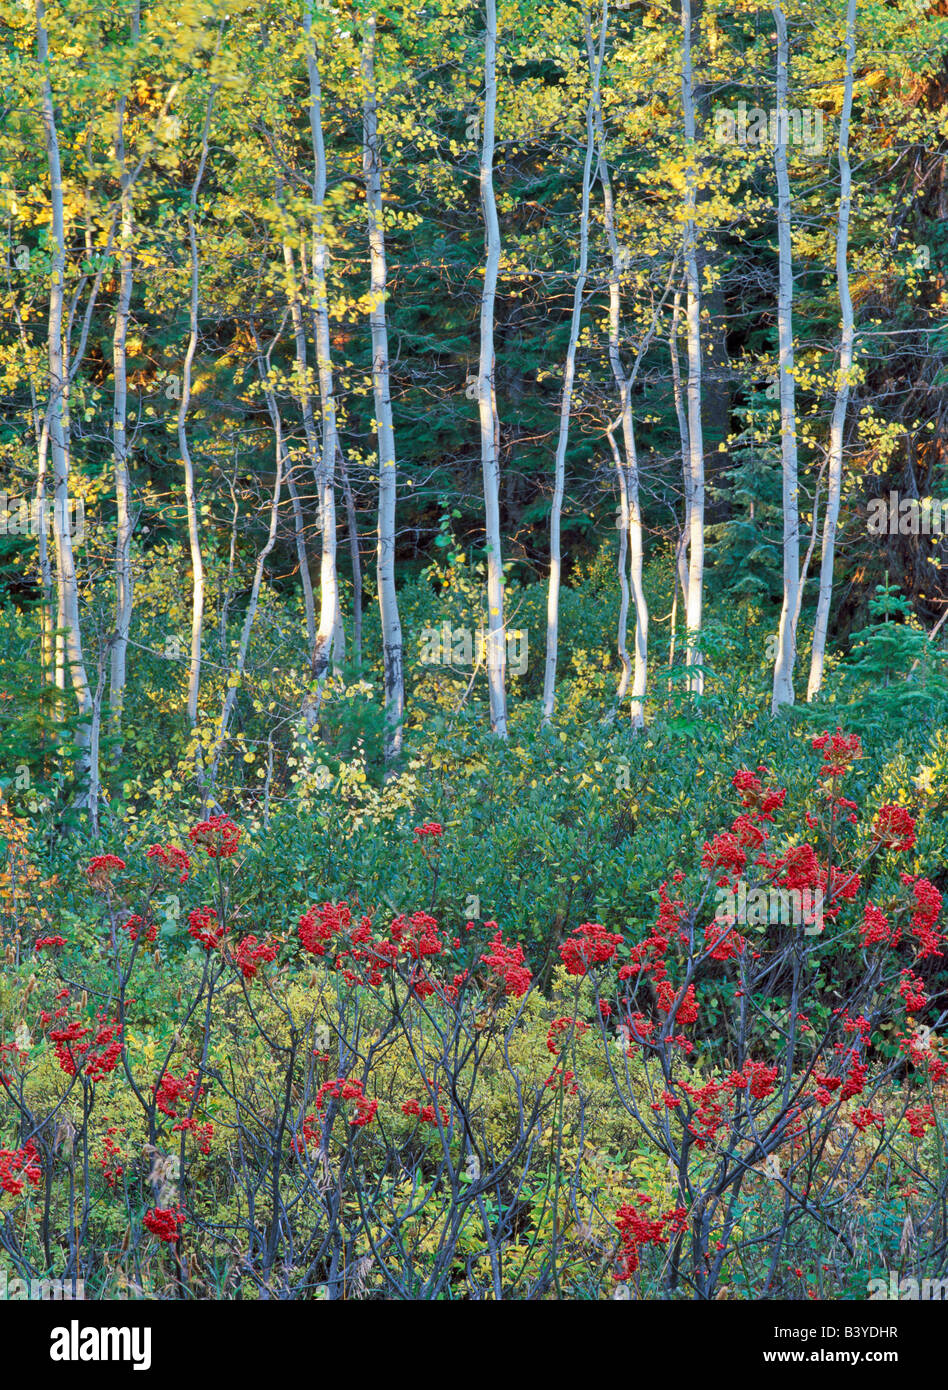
(253, 603)
(190, 491)
(302, 558)
(355, 557)
(622, 638)
(385, 547)
(329, 632)
(309, 429)
(695, 601)
(123, 526)
(787, 636)
(41, 436)
(631, 532)
(681, 550)
(566, 401)
(838, 426)
(487, 392)
(66, 578)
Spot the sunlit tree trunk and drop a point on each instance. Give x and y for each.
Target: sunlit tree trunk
(681, 552)
(254, 600)
(123, 524)
(622, 511)
(627, 467)
(70, 646)
(329, 632)
(355, 557)
(41, 436)
(694, 605)
(787, 637)
(190, 491)
(681, 549)
(838, 426)
(302, 556)
(487, 392)
(310, 431)
(289, 467)
(566, 401)
(385, 550)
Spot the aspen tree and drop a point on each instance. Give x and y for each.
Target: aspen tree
(312, 439)
(190, 491)
(329, 633)
(786, 637)
(487, 392)
(630, 514)
(694, 605)
(838, 425)
(393, 674)
(236, 675)
(355, 558)
(69, 647)
(569, 371)
(123, 523)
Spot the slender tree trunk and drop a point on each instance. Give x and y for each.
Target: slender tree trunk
(631, 531)
(95, 730)
(385, 550)
(355, 557)
(787, 637)
(302, 558)
(622, 640)
(329, 632)
(70, 645)
(190, 491)
(299, 524)
(681, 550)
(123, 524)
(715, 362)
(309, 422)
(41, 437)
(694, 605)
(251, 613)
(838, 426)
(487, 393)
(569, 372)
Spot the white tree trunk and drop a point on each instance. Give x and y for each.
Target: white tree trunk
(190, 491)
(251, 613)
(329, 632)
(569, 372)
(70, 646)
(355, 559)
(694, 605)
(41, 435)
(124, 524)
(392, 664)
(622, 639)
(487, 395)
(787, 636)
(302, 558)
(838, 426)
(631, 533)
(681, 550)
